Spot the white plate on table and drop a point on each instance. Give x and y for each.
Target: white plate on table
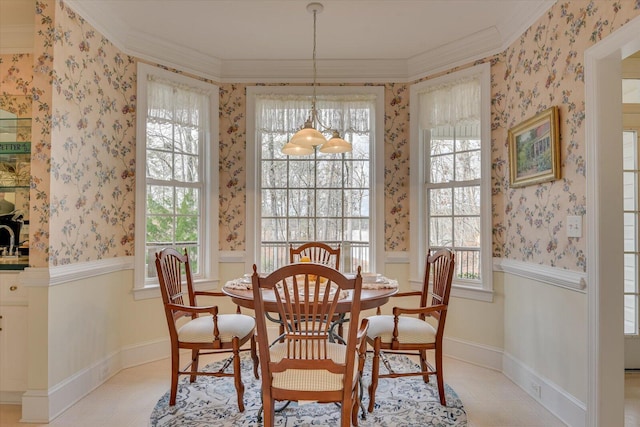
(371, 278)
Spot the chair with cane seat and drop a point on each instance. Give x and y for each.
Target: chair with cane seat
(306, 366)
(205, 331)
(404, 333)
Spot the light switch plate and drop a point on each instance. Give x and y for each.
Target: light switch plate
(574, 226)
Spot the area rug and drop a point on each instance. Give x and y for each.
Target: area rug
(211, 401)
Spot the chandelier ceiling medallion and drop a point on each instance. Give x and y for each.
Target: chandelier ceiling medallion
(309, 137)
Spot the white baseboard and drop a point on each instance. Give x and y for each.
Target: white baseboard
(144, 353)
(42, 406)
(477, 354)
(10, 397)
(556, 400)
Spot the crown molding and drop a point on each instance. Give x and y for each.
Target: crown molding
(301, 71)
(478, 46)
(171, 55)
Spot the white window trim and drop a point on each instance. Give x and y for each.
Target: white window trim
(418, 244)
(209, 245)
(252, 243)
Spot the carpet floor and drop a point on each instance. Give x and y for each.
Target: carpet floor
(211, 401)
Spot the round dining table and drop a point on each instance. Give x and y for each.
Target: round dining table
(369, 298)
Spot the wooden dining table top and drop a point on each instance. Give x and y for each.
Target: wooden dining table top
(369, 298)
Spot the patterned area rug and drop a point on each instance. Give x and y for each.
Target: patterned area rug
(211, 401)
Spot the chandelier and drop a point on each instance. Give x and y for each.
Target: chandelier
(309, 137)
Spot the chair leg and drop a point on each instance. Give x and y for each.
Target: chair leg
(195, 358)
(355, 406)
(423, 365)
(346, 412)
(440, 376)
(237, 374)
(254, 357)
(375, 371)
(175, 367)
(268, 405)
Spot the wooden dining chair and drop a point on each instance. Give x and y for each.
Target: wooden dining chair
(317, 252)
(306, 366)
(404, 333)
(320, 253)
(206, 331)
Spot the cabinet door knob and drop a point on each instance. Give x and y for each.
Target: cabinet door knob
(13, 288)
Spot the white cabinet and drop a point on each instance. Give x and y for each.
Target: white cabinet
(13, 338)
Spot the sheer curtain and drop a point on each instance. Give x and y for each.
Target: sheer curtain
(454, 103)
(172, 102)
(287, 113)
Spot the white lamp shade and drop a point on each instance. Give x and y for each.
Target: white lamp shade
(291, 149)
(336, 145)
(308, 137)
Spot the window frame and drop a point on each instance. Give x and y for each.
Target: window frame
(418, 208)
(253, 199)
(208, 277)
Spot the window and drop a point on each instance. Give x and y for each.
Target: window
(176, 198)
(631, 169)
(450, 197)
(320, 197)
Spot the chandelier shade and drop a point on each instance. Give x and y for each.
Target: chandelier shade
(305, 141)
(308, 137)
(335, 145)
(290, 149)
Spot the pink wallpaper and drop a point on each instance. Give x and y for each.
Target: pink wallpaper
(544, 67)
(84, 166)
(89, 153)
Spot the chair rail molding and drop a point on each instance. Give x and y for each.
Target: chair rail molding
(569, 279)
(58, 275)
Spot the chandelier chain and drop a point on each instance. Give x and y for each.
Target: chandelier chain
(315, 70)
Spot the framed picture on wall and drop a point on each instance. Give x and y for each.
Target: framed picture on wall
(534, 149)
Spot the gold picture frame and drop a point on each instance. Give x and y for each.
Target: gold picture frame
(534, 149)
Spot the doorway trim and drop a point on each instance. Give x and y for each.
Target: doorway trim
(603, 128)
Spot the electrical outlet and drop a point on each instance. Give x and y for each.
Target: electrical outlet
(574, 226)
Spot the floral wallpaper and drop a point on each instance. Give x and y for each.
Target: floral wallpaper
(545, 67)
(232, 154)
(396, 167)
(93, 144)
(540, 69)
(83, 165)
(16, 75)
(84, 134)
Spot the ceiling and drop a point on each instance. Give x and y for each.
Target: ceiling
(272, 40)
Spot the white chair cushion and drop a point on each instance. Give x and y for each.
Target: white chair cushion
(310, 379)
(411, 330)
(229, 325)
